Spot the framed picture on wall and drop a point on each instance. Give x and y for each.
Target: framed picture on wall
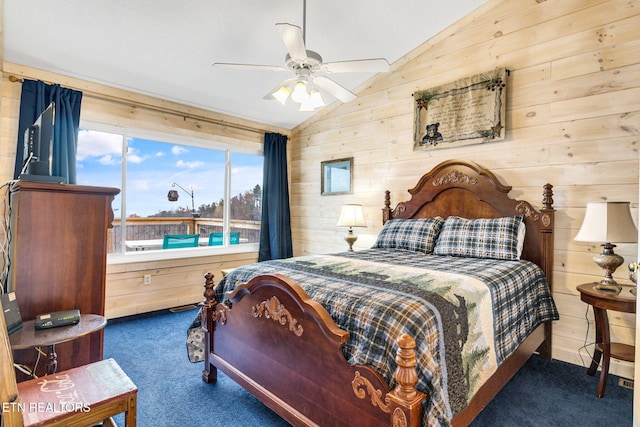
(467, 111)
(336, 176)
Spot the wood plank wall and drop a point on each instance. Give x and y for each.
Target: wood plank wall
(174, 282)
(573, 109)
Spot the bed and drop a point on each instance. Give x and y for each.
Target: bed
(421, 329)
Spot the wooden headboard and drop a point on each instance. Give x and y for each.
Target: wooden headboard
(463, 188)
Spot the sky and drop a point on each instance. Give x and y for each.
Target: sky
(152, 168)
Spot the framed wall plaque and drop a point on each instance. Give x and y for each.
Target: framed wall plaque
(468, 111)
(336, 176)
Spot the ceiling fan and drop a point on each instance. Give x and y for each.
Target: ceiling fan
(305, 64)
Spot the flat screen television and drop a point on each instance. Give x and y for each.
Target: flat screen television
(38, 148)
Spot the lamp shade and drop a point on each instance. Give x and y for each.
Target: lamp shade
(608, 222)
(351, 216)
(282, 94)
(299, 93)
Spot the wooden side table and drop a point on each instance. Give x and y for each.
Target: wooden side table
(601, 301)
(28, 337)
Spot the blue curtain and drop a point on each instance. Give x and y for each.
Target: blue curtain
(275, 228)
(35, 97)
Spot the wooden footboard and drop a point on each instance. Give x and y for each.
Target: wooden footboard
(285, 349)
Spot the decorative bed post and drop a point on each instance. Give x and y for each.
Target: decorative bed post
(405, 398)
(546, 231)
(209, 373)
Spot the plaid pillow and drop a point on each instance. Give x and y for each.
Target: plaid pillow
(480, 238)
(418, 235)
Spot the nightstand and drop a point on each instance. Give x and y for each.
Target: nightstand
(601, 301)
(28, 337)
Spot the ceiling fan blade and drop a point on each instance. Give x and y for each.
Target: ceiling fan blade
(293, 41)
(250, 66)
(378, 65)
(334, 89)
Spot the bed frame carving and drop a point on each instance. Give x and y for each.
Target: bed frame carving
(274, 309)
(304, 377)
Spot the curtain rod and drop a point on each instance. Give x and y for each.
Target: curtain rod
(14, 79)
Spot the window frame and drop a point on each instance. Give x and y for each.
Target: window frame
(124, 256)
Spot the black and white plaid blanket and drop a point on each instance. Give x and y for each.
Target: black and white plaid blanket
(466, 314)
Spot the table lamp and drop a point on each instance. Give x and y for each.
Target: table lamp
(608, 222)
(351, 216)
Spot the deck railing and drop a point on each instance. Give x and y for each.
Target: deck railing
(156, 228)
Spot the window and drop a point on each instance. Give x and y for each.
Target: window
(172, 185)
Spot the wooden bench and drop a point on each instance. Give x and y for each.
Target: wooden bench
(78, 397)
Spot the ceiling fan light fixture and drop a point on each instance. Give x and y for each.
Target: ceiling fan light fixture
(315, 99)
(312, 102)
(304, 64)
(306, 106)
(299, 93)
(282, 94)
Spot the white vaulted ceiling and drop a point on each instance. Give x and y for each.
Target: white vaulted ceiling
(166, 48)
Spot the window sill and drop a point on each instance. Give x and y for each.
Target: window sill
(170, 254)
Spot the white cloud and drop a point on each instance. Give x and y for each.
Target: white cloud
(98, 144)
(134, 158)
(189, 165)
(108, 160)
(177, 150)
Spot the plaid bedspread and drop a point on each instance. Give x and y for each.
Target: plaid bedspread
(466, 314)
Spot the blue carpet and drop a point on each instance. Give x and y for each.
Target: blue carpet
(151, 349)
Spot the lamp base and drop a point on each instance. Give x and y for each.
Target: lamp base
(350, 239)
(608, 262)
(609, 287)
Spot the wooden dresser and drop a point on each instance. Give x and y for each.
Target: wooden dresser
(58, 259)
